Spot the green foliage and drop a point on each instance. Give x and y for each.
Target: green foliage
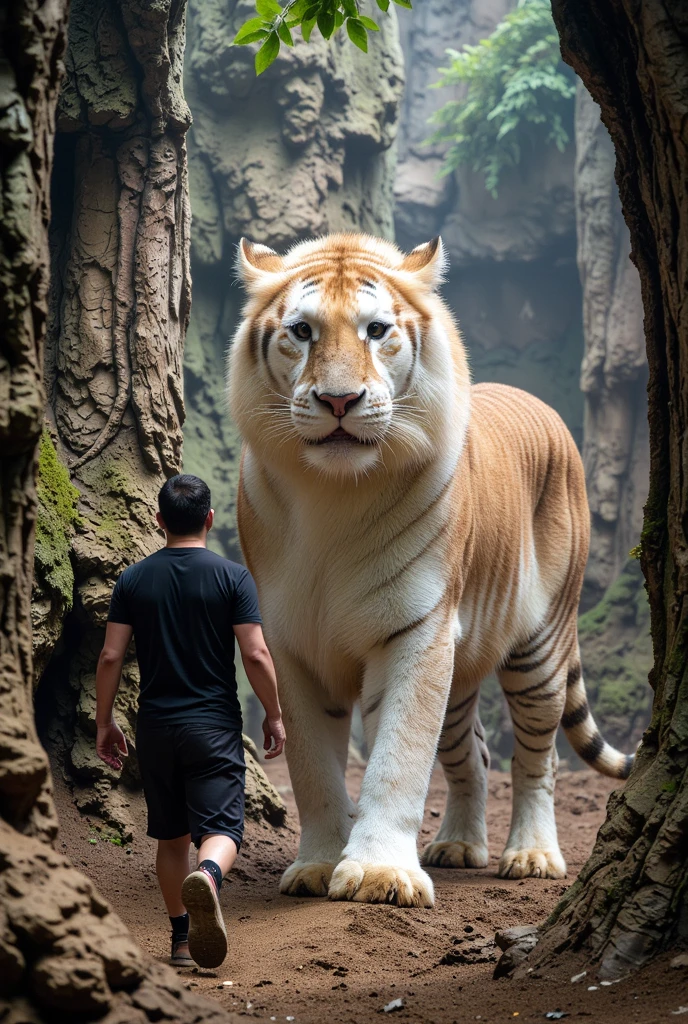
(56, 520)
(517, 93)
(273, 24)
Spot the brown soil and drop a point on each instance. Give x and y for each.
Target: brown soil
(314, 961)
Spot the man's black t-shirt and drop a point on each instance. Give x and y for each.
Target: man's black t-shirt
(182, 603)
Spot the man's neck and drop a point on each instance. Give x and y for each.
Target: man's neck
(185, 542)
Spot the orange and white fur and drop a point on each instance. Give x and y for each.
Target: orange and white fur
(409, 534)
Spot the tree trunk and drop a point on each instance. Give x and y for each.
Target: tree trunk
(62, 950)
(629, 901)
(120, 302)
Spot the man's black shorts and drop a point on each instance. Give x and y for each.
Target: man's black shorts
(193, 780)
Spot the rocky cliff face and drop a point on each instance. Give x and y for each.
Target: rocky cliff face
(513, 282)
(306, 149)
(614, 370)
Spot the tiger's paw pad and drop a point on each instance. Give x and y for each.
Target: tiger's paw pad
(458, 854)
(305, 878)
(532, 863)
(381, 883)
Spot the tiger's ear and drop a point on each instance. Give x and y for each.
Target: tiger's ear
(427, 262)
(255, 262)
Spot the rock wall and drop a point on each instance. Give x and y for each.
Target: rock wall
(305, 149)
(513, 281)
(614, 370)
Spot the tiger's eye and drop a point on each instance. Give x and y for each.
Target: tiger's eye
(376, 329)
(302, 330)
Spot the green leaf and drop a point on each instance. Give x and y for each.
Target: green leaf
(338, 20)
(383, 5)
(254, 37)
(249, 28)
(368, 23)
(284, 33)
(357, 34)
(267, 53)
(268, 9)
(350, 9)
(404, 3)
(326, 23)
(307, 26)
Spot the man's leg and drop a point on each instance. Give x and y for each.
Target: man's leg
(172, 867)
(214, 771)
(220, 850)
(163, 787)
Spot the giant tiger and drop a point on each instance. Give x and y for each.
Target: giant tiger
(409, 534)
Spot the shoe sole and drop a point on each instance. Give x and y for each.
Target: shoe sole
(207, 933)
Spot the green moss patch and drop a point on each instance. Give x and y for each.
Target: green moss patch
(56, 522)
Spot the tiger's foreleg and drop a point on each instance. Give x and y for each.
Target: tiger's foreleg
(462, 839)
(317, 728)
(406, 684)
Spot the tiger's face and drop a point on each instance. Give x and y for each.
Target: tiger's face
(336, 352)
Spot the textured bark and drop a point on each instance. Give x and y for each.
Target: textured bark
(630, 899)
(63, 952)
(32, 44)
(614, 370)
(120, 307)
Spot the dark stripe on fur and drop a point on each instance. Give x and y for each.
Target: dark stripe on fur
(627, 765)
(413, 625)
(573, 675)
(457, 764)
(461, 704)
(575, 717)
(456, 743)
(267, 338)
(336, 712)
(591, 750)
(373, 706)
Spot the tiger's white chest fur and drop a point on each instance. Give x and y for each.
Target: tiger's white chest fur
(335, 585)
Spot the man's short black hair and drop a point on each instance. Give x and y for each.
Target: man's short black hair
(184, 503)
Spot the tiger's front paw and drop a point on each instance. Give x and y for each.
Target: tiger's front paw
(532, 863)
(457, 854)
(381, 883)
(303, 878)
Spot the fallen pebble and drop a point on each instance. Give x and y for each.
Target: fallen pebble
(577, 977)
(680, 961)
(396, 1004)
(681, 1009)
(555, 1015)
(592, 988)
(227, 984)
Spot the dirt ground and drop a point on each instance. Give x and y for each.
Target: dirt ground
(315, 962)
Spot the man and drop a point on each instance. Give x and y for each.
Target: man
(185, 605)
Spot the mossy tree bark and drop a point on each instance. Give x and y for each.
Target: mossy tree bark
(62, 950)
(120, 303)
(630, 898)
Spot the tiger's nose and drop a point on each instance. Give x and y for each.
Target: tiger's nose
(340, 404)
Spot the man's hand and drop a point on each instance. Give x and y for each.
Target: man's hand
(273, 730)
(111, 745)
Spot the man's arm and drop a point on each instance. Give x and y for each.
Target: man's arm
(261, 675)
(111, 745)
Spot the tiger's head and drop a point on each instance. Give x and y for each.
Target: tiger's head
(346, 360)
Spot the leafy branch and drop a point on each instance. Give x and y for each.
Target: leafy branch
(274, 23)
(519, 93)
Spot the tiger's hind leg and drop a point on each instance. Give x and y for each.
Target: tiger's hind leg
(534, 682)
(462, 839)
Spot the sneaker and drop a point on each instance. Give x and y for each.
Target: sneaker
(207, 932)
(181, 957)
